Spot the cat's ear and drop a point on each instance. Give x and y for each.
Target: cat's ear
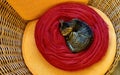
(61, 22)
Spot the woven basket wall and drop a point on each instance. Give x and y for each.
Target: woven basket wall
(12, 27)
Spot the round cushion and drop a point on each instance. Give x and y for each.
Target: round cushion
(52, 45)
(39, 66)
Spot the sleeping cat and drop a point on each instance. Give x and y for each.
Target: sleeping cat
(78, 34)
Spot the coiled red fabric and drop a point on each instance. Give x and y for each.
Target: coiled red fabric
(52, 45)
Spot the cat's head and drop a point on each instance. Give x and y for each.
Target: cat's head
(65, 28)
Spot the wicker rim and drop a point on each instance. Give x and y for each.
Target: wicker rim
(11, 30)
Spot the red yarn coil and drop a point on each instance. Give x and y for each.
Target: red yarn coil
(52, 45)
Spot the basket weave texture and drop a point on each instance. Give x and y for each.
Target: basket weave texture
(12, 27)
(11, 30)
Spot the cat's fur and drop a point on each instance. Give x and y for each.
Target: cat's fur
(77, 33)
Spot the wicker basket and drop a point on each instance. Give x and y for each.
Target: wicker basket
(12, 27)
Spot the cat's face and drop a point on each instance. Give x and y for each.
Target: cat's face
(65, 28)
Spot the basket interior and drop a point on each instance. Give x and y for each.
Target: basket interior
(12, 27)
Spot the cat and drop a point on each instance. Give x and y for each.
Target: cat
(78, 34)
